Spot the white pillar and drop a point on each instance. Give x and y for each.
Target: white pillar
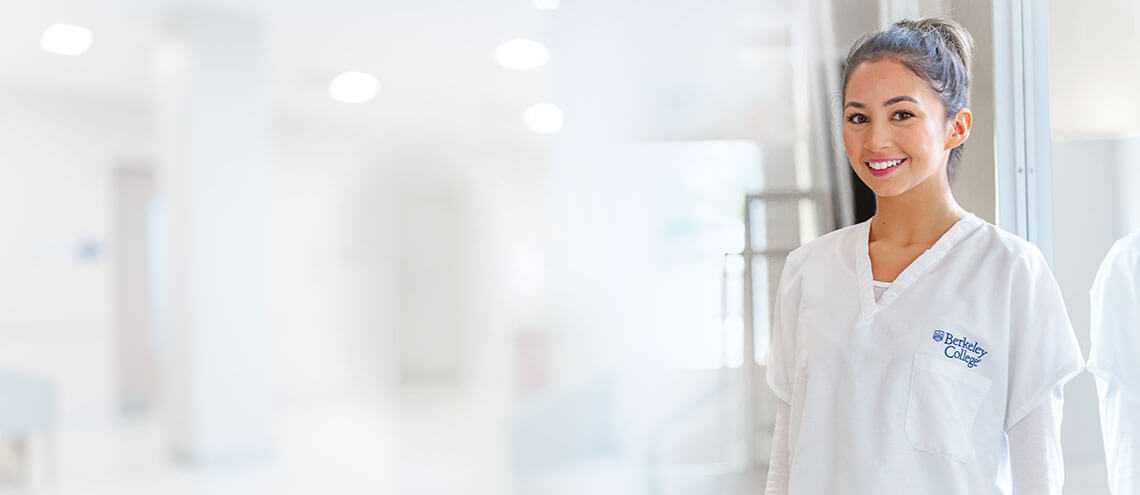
(217, 364)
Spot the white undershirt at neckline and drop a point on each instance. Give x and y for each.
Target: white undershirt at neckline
(879, 288)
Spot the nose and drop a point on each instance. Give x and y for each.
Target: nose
(878, 137)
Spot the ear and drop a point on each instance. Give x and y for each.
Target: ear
(959, 129)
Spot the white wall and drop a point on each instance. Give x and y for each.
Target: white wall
(1092, 77)
(56, 313)
(306, 199)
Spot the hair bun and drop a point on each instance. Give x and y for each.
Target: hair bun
(952, 34)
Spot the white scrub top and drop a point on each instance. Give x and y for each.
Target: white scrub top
(914, 393)
(1115, 339)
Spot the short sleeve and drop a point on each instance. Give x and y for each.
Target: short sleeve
(1115, 317)
(1044, 353)
(780, 358)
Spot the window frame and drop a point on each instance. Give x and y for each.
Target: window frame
(1022, 139)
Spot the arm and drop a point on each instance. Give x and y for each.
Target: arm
(779, 363)
(778, 467)
(1035, 449)
(1120, 425)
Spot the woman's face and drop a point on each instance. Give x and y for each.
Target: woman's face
(895, 128)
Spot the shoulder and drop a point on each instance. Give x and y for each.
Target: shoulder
(1125, 251)
(822, 254)
(1121, 261)
(824, 247)
(1008, 248)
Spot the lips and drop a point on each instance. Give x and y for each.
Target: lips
(880, 168)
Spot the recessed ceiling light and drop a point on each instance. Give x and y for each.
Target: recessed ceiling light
(546, 4)
(521, 54)
(65, 39)
(354, 87)
(543, 118)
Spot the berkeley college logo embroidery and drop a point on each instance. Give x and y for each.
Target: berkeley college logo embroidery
(961, 348)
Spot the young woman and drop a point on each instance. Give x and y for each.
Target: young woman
(922, 351)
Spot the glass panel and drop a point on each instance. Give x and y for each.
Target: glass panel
(733, 323)
(687, 216)
(779, 222)
(762, 300)
(1095, 121)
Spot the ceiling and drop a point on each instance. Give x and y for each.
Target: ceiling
(433, 58)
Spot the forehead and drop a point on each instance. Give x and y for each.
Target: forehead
(874, 82)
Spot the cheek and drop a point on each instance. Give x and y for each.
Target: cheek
(922, 142)
(851, 141)
(935, 137)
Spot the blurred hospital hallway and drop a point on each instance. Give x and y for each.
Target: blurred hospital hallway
(454, 246)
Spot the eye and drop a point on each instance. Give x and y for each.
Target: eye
(902, 115)
(857, 118)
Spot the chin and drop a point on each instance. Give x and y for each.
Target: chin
(881, 186)
(887, 190)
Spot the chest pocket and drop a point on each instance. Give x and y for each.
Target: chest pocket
(943, 403)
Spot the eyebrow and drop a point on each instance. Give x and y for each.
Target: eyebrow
(889, 102)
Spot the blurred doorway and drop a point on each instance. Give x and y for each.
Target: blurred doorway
(136, 362)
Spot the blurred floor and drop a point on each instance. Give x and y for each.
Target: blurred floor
(428, 444)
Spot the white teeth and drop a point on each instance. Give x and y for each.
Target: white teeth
(884, 165)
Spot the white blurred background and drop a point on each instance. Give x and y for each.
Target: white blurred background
(386, 247)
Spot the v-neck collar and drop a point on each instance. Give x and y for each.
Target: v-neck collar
(911, 273)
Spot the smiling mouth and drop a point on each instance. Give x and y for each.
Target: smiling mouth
(885, 164)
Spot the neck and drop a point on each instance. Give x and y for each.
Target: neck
(918, 216)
